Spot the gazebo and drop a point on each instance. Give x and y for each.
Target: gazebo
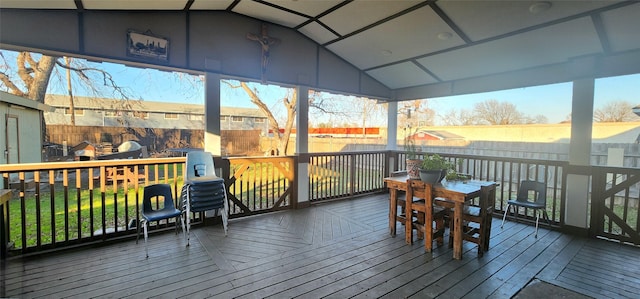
(386, 50)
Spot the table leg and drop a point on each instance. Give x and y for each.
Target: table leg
(457, 234)
(393, 210)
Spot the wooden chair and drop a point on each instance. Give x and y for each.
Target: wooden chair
(400, 203)
(421, 214)
(476, 220)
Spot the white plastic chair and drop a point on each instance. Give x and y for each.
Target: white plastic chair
(203, 190)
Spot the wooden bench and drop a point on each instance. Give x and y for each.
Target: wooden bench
(122, 173)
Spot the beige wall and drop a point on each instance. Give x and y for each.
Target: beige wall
(626, 132)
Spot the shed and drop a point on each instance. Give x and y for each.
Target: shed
(21, 122)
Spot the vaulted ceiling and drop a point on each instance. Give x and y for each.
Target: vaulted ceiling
(419, 46)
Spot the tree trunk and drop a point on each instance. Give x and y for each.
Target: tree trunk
(282, 139)
(42, 72)
(67, 61)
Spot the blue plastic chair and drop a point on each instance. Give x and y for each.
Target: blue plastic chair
(203, 190)
(537, 202)
(167, 211)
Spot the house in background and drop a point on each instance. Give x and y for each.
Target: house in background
(434, 135)
(21, 122)
(147, 114)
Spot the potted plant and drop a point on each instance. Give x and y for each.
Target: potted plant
(454, 175)
(434, 168)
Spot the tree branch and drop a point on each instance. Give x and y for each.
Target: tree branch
(13, 89)
(24, 72)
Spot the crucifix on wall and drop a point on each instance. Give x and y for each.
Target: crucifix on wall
(265, 42)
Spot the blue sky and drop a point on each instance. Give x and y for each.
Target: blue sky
(552, 101)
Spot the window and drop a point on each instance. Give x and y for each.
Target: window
(67, 111)
(140, 114)
(259, 120)
(171, 116)
(224, 118)
(196, 117)
(111, 113)
(236, 118)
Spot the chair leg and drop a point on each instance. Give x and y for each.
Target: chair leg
(146, 247)
(188, 225)
(537, 220)
(225, 213)
(486, 232)
(408, 228)
(188, 213)
(451, 230)
(420, 234)
(137, 231)
(182, 224)
(440, 227)
(505, 215)
(481, 234)
(546, 217)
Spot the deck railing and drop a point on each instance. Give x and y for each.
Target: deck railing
(62, 204)
(340, 175)
(66, 203)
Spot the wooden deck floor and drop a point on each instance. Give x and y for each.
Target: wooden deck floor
(322, 252)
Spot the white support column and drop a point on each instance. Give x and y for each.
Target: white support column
(212, 138)
(392, 131)
(577, 206)
(392, 126)
(302, 145)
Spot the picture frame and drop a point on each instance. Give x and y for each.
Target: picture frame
(147, 45)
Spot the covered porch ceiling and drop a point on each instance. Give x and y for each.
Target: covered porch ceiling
(421, 49)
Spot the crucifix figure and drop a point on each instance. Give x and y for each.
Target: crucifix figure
(265, 42)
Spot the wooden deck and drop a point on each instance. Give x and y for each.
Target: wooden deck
(322, 252)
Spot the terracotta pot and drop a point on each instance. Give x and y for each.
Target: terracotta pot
(413, 168)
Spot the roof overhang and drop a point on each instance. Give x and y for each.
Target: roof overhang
(412, 49)
(24, 102)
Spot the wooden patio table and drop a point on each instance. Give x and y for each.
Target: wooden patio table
(457, 192)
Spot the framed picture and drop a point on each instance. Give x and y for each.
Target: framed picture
(147, 45)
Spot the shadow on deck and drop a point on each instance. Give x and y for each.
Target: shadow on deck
(338, 249)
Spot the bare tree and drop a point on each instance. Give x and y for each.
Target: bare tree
(540, 119)
(32, 75)
(462, 117)
(67, 62)
(416, 113)
(319, 102)
(493, 112)
(34, 72)
(616, 111)
(366, 109)
(289, 102)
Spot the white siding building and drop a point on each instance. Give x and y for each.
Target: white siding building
(147, 114)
